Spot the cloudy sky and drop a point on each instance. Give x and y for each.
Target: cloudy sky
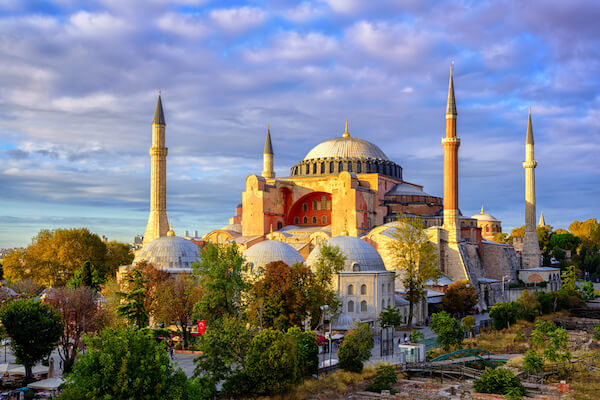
(79, 81)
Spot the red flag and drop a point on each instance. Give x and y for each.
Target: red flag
(201, 327)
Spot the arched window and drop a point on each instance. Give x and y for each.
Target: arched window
(350, 290)
(356, 267)
(487, 228)
(322, 167)
(349, 166)
(350, 306)
(305, 220)
(323, 202)
(382, 288)
(363, 306)
(314, 168)
(382, 304)
(305, 207)
(340, 166)
(389, 288)
(315, 205)
(358, 168)
(314, 220)
(331, 167)
(363, 289)
(324, 219)
(307, 169)
(296, 220)
(279, 225)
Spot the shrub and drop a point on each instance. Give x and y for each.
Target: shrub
(384, 380)
(448, 329)
(553, 340)
(528, 305)
(307, 349)
(503, 315)
(416, 336)
(202, 388)
(356, 348)
(499, 381)
(597, 332)
(468, 323)
(532, 361)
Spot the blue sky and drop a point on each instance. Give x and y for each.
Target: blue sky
(79, 80)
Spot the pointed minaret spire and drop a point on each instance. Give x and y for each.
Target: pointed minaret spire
(268, 154)
(481, 209)
(542, 220)
(346, 133)
(451, 103)
(159, 116)
(529, 139)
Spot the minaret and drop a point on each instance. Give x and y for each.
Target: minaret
(268, 172)
(531, 249)
(542, 220)
(451, 143)
(158, 225)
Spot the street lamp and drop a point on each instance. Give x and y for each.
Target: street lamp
(324, 308)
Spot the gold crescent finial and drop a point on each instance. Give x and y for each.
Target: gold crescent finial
(346, 133)
(159, 91)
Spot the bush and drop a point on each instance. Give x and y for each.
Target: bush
(532, 361)
(448, 329)
(416, 336)
(384, 380)
(356, 348)
(307, 349)
(499, 381)
(202, 388)
(528, 305)
(597, 332)
(503, 315)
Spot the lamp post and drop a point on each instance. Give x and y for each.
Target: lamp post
(323, 308)
(505, 276)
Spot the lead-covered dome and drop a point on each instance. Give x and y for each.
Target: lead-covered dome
(346, 153)
(268, 251)
(360, 255)
(171, 253)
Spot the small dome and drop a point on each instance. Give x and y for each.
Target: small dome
(483, 216)
(360, 255)
(268, 251)
(346, 147)
(169, 253)
(342, 322)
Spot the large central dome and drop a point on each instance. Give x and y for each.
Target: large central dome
(346, 147)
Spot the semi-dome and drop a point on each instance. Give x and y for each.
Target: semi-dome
(268, 251)
(360, 255)
(346, 147)
(171, 253)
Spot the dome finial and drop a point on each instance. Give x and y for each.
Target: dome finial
(481, 209)
(171, 232)
(346, 134)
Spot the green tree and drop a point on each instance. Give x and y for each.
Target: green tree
(133, 305)
(272, 362)
(532, 361)
(175, 300)
(569, 279)
(499, 381)
(88, 276)
(330, 262)
(502, 237)
(356, 348)
(565, 241)
(528, 306)
(390, 317)
(220, 278)
(588, 231)
(125, 364)
(416, 257)
(503, 314)
(385, 378)
(307, 350)
(117, 254)
(468, 323)
(553, 340)
(34, 328)
(450, 332)
(416, 336)
(460, 297)
(597, 331)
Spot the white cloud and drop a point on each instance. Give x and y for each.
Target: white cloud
(294, 46)
(95, 101)
(190, 26)
(304, 12)
(96, 24)
(346, 6)
(237, 20)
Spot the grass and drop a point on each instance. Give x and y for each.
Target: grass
(512, 340)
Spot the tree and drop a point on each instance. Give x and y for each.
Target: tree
(153, 279)
(125, 364)
(416, 257)
(468, 323)
(460, 297)
(569, 279)
(307, 349)
(385, 378)
(553, 340)
(565, 241)
(175, 303)
(532, 361)
(34, 328)
(528, 306)
(588, 231)
(330, 261)
(286, 296)
(356, 348)
(450, 332)
(117, 254)
(88, 276)
(220, 277)
(588, 291)
(416, 336)
(133, 306)
(503, 314)
(597, 331)
(502, 237)
(390, 317)
(79, 313)
(272, 362)
(499, 381)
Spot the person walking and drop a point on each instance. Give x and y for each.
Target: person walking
(405, 339)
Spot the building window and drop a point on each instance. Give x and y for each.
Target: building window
(279, 225)
(322, 167)
(363, 289)
(324, 219)
(305, 220)
(314, 220)
(314, 168)
(355, 267)
(389, 288)
(323, 202)
(363, 306)
(307, 169)
(331, 167)
(382, 304)
(305, 207)
(315, 205)
(296, 220)
(350, 290)
(358, 168)
(487, 228)
(350, 306)
(349, 166)
(340, 166)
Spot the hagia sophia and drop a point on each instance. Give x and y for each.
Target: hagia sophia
(346, 192)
